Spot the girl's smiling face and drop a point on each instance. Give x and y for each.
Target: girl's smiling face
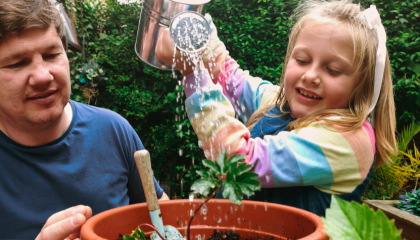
(320, 73)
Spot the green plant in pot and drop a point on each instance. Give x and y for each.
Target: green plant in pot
(230, 173)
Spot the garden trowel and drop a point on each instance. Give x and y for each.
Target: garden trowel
(142, 158)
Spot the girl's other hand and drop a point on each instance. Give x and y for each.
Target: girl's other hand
(165, 52)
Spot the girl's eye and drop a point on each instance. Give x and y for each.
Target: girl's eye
(334, 72)
(301, 61)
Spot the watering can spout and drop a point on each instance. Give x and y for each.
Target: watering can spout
(155, 16)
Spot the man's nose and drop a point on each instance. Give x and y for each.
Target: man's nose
(40, 73)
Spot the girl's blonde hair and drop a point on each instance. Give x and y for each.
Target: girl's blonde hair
(365, 44)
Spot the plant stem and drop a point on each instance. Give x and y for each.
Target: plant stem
(199, 207)
(151, 226)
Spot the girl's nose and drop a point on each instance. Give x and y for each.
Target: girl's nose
(312, 76)
(40, 74)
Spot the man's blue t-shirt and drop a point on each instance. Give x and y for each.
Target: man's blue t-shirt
(91, 164)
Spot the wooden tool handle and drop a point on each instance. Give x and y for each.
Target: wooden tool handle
(142, 158)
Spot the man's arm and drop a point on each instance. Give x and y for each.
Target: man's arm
(164, 197)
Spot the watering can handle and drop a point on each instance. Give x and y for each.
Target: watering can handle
(142, 158)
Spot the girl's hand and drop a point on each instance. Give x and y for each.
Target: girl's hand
(165, 51)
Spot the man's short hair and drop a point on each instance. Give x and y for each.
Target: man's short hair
(16, 16)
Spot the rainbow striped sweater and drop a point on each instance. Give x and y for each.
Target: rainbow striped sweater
(317, 156)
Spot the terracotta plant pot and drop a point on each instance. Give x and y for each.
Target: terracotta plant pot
(250, 220)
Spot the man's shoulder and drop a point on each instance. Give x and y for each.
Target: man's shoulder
(97, 116)
(89, 110)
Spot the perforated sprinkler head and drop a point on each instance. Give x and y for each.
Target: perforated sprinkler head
(189, 31)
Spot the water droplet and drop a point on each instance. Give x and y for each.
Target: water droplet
(191, 197)
(180, 152)
(219, 221)
(191, 213)
(204, 209)
(265, 206)
(239, 221)
(267, 178)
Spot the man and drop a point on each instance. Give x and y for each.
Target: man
(54, 153)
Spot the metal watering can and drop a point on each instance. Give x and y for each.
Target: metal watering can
(156, 15)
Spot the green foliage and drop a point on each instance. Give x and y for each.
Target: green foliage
(255, 33)
(402, 23)
(150, 99)
(234, 175)
(346, 220)
(388, 181)
(137, 234)
(410, 202)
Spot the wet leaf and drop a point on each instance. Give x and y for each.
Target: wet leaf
(346, 220)
(203, 186)
(221, 159)
(212, 166)
(232, 191)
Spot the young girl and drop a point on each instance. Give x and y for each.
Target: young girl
(309, 137)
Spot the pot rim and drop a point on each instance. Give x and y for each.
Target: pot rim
(319, 232)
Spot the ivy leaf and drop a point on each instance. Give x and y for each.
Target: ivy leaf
(232, 191)
(171, 95)
(203, 186)
(346, 220)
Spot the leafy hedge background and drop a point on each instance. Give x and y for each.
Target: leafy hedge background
(256, 34)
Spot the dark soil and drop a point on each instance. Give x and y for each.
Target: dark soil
(232, 235)
(228, 235)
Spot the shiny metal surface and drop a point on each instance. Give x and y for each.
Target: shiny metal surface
(189, 31)
(154, 17)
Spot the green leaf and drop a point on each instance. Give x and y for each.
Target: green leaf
(203, 173)
(242, 168)
(247, 175)
(203, 186)
(221, 159)
(233, 160)
(128, 237)
(353, 221)
(249, 185)
(232, 191)
(213, 166)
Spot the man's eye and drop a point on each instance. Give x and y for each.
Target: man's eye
(16, 65)
(52, 56)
